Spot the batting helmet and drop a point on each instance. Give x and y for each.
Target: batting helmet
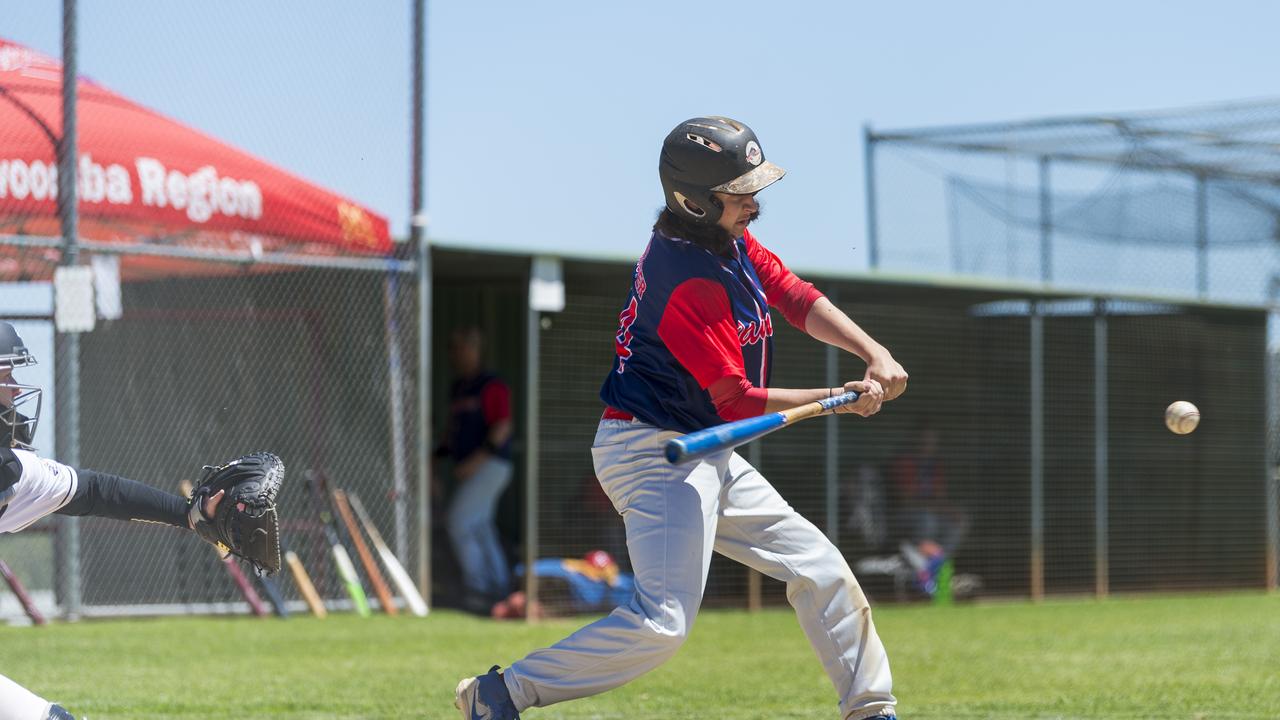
(707, 155)
(16, 429)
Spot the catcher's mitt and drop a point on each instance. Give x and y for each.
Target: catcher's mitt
(245, 521)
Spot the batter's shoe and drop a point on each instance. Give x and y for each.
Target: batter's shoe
(57, 712)
(485, 698)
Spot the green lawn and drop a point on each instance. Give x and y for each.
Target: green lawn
(1168, 657)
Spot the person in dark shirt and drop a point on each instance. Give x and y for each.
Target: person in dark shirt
(478, 441)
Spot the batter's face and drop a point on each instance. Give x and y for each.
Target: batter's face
(739, 211)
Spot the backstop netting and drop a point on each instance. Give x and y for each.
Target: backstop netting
(1181, 203)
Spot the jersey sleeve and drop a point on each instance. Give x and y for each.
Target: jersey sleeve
(792, 296)
(495, 400)
(698, 328)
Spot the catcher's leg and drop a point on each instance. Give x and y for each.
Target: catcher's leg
(759, 529)
(19, 703)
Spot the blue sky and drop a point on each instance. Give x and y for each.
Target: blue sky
(545, 119)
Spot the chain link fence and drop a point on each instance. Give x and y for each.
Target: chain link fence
(1106, 500)
(197, 371)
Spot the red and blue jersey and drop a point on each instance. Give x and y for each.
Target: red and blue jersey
(693, 320)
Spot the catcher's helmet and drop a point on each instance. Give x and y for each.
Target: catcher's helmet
(711, 154)
(16, 429)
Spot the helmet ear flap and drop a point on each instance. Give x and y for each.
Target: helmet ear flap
(689, 206)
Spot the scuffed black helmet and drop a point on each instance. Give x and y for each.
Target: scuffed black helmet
(16, 429)
(711, 154)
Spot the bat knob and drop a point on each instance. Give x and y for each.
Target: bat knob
(675, 451)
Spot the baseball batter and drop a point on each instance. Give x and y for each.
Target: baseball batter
(32, 487)
(694, 349)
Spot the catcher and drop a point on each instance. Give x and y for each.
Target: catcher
(232, 507)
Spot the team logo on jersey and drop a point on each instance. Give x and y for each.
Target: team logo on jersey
(754, 156)
(753, 332)
(622, 341)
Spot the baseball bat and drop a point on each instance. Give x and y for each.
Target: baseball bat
(303, 580)
(366, 558)
(341, 560)
(233, 570)
(697, 445)
(399, 576)
(272, 591)
(28, 605)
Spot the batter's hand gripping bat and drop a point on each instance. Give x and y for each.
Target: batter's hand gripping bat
(403, 582)
(702, 443)
(233, 570)
(28, 606)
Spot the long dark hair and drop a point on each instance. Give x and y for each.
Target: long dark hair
(712, 237)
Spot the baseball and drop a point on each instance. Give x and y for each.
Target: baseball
(1182, 417)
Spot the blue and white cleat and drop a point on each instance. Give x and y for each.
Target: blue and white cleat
(485, 697)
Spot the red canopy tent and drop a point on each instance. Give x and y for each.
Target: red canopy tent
(144, 178)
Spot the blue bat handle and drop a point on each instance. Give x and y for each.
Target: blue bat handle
(697, 445)
(702, 443)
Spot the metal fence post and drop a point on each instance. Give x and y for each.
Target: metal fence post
(1101, 498)
(533, 345)
(1046, 223)
(67, 375)
(1202, 236)
(418, 236)
(1037, 451)
(869, 179)
(1271, 468)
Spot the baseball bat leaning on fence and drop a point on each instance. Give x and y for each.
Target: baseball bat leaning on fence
(399, 576)
(303, 580)
(28, 606)
(697, 445)
(272, 591)
(233, 570)
(341, 559)
(366, 558)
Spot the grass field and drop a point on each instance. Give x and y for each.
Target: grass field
(1168, 657)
